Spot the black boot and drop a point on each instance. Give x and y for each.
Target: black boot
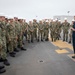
(63, 39)
(73, 57)
(47, 39)
(18, 46)
(1, 67)
(2, 71)
(32, 41)
(69, 41)
(58, 38)
(37, 40)
(12, 54)
(66, 40)
(52, 39)
(23, 49)
(23, 43)
(1, 60)
(28, 41)
(6, 62)
(41, 40)
(16, 50)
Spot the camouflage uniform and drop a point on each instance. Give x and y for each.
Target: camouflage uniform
(30, 32)
(35, 25)
(41, 31)
(3, 40)
(52, 31)
(11, 37)
(25, 29)
(65, 27)
(58, 30)
(46, 31)
(19, 33)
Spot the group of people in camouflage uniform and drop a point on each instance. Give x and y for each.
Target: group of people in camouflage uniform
(56, 27)
(13, 30)
(11, 38)
(42, 29)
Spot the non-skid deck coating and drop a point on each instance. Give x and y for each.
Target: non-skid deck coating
(41, 58)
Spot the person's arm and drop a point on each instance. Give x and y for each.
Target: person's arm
(72, 29)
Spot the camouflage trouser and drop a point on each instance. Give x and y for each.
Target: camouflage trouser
(3, 49)
(25, 34)
(20, 40)
(11, 45)
(52, 35)
(35, 33)
(30, 36)
(46, 33)
(15, 43)
(57, 35)
(65, 35)
(41, 33)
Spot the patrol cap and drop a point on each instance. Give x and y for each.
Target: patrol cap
(65, 18)
(19, 19)
(15, 17)
(46, 20)
(30, 21)
(34, 19)
(40, 20)
(6, 18)
(2, 16)
(11, 19)
(53, 20)
(59, 20)
(56, 19)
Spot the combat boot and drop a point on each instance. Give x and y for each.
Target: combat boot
(66, 40)
(16, 50)
(69, 41)
(52, 39)
(46, 39)
(63, 39)
(23, 49)
(28, 41)
(1, 67)
(42, 40)
(37, 40)
(12, 54)
(2, 71)
(73, 57)
(23, 43)
(6, 62)
(32, 41)
(1, 60)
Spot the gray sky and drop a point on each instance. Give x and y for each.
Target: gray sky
(29, 9)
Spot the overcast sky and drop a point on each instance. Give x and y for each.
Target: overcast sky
(29, 9)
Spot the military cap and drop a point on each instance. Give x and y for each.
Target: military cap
(65, 18)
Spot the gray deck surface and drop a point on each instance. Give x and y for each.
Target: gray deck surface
(41, 59)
